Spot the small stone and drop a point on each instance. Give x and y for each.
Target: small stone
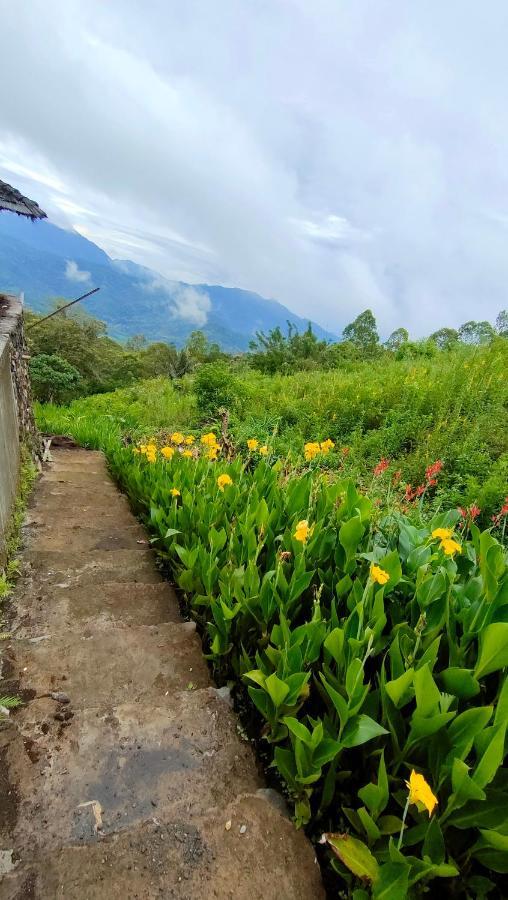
(228, 824)
(243, 829)
(60, 696)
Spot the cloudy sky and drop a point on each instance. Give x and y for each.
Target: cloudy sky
(333, 155)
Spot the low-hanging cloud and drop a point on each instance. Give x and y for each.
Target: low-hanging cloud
(183, 301)
(74, 273)
(191, 305)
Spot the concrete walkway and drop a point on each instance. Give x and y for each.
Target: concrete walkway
(124, 774)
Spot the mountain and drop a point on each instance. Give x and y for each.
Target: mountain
(45, 261)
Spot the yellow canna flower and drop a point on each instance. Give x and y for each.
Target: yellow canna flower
(167, 452)
(263, 450)
(420, 792)
(311, 449)
(189, 440)
(450, 547)
(442, 533)
(209, 439)
(151, 457)
(142, 448)
(151, 448)
(378, 574)
(188, 454)
(136, 450)
(303, 531)
(326, 446)
(177, 437)
(252, 444)
(224, 480)
(213, 451)
(174, 492)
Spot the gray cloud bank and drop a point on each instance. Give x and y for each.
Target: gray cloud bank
(333, 155)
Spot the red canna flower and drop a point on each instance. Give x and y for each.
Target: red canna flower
(345, 451)
(433, 470)
(396, 477)
(381, 466)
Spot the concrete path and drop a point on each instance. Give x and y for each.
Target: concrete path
(124, 774)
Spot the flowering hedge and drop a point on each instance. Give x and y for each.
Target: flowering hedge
(374, 652)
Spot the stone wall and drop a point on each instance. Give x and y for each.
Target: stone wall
(17, 424)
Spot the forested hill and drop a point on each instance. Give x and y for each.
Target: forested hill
(45, 261)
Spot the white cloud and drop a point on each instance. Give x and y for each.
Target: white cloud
(331, 155)
(191, 305)
(74, 273)
(184, 301)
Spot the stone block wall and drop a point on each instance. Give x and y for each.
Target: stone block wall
(17, 424)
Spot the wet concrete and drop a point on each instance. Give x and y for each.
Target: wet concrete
(119, 773)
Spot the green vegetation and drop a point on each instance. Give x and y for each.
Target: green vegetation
(27, 476)
(451, 406)
(338, 536)
(372, 648)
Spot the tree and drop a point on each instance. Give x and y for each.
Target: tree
(397, 338)
(363, 331)
(201, 349)
(136, 342)
(502, 323)
(445, 338)
(53, 379)
(291, 352)
(476, 332)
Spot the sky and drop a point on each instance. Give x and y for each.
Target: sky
(332, 155)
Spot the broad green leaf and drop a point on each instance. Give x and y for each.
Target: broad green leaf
(464, 729)
(392, 883)
(400, 689)
(491, 849)
(491, 759)
(350, 535)
(371, 830)
(460, 682)
(277, 689)
(433, 845)
(359, 730)
(493, 649)
(355, 855)
(375, 796)
(426, 691)
(298, 729)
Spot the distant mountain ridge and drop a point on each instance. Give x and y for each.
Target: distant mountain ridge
(46, 261)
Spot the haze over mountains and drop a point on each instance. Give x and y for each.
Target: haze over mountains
(45, 261)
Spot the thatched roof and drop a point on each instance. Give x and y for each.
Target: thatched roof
(12, 200)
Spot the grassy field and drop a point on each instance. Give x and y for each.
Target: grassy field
(452, 408)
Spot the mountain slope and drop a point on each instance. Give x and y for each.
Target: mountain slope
(45, 261)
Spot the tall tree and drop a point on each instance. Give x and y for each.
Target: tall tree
(397, 338)
(363, 331)
(445, 338)
(502, 323)
(476, 332)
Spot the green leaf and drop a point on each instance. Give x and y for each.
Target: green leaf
(392, 883)
(433, 845)
(491, 850)
(399, 690)
(350, 535)
(493, 649)
(460, 682)
(492, 758)
(426, 691)
(298, 729)
(277, 689)
(375, 796)
(359, 730)
(355, 855)
(464, 729)
(371, 830)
